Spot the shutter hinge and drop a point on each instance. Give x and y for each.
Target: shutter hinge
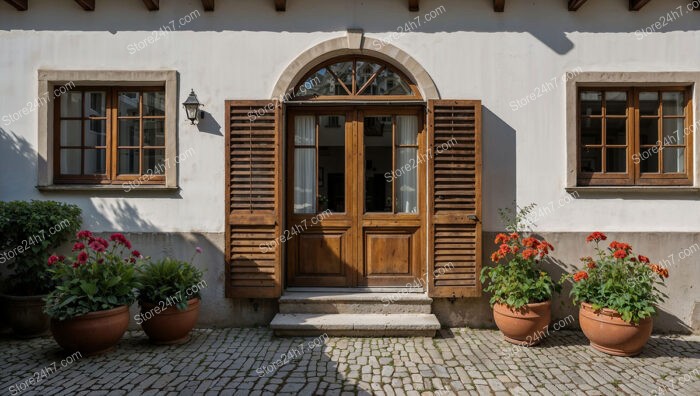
(473, 217)
(453, 298)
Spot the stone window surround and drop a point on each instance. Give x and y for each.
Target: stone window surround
(626, 79)
(49, 78)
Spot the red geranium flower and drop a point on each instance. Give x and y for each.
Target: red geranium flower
(531, 242)
(580, 275)
(53, 259)
(529, 253)
(97, 246)
(591, 264)
(136, 253)
(620, 254)
(82, 258)
(545, 247)
(121, 239)
(84, 234)
(596, 236)
(514, 235)
(495, 257)
(78, 246)
(501, 238)
(643, 259)
(615, 245)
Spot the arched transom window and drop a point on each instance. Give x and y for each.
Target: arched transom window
(360, 78)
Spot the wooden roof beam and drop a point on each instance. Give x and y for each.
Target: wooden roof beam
(636, 5)
(20, 5)
(574, 5)
(413, 5)
(499, 5)
(152, 5)
(88, 5)
(208, 5)
(281, 5)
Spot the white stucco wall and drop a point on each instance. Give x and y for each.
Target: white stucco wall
(239, 51)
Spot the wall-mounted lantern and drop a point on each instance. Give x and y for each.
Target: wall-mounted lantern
(192, 107)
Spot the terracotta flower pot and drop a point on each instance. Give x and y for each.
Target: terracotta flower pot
(170, 325)
(25, 315)
(92, 333)
(526, 326)
(608, 333)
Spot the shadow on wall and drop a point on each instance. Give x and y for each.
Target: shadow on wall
(549, 21)
(499, 176)
(18, 163)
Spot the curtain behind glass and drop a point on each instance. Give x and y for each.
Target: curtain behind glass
(406, 165)
(305, 165)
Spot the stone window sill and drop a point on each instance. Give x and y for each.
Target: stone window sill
(633, 189)
(104, 187)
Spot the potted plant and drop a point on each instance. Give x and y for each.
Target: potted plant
(30, 230)
(617, 293)
(521, 292)
(89, 308)
(169, 296)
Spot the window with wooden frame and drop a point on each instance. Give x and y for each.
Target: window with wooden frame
(635, 136)
(109, 135)
(355, 78)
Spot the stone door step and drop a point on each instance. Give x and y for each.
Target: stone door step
(367, 325)
(354, 303)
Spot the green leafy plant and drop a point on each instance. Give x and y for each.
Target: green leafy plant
(618, 280)
(30, 231)
(100, 276)
(516, 279)
(170, 280)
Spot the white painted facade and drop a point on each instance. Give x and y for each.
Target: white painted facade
(240, 50)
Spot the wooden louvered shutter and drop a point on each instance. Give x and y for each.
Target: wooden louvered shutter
(454, 136)
(253, 200)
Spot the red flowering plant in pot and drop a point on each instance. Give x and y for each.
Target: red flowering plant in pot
(617, 292)
(89, 307)
(521, 291)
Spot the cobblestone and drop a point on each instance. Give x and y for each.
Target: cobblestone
(456, 362)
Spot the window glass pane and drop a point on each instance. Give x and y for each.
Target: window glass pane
(406, 177)
(128, 161)
(674, 160)
(672, 103)
(591, 160)
(365, 70)
(616, 131)
(70, 161)
(674, 132)
(95, 160)
(649, 160)
(305, 130)
(129, 132)
(344, 72)
(153, 161)
(321, 83)
(648, 130)
(70, 133)
(591, 131)
(378, 163)
(153, 132)
(95, 104)
(649, 103)
(304, 180)
(591, 102)
(331, 163)
(128, 103)
(387, 83)
(615, 103)
(71, 103)
(616, 160)
(407, 130)
(95, 132)
(154, 103)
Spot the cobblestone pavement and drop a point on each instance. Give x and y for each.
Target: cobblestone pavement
(251, 361)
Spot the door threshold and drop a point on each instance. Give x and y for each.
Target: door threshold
(382, 289)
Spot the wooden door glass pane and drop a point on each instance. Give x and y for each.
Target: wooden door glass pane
(615, 103)
(378, 150)
(406, 169)
(674, 160)
(305, 164)
(673, 103)
(95, 162)
(71, 103)
(591, 160)
(616, 160)
(331, 163)
(591, 103)
(129, 104)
